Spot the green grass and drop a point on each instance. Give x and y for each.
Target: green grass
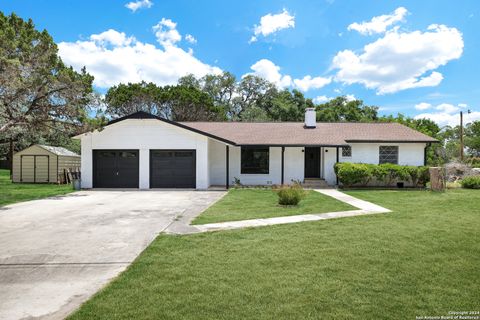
(17, 192)
(421, 259)
(242, 204)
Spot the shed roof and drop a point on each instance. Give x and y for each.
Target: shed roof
(59, 151)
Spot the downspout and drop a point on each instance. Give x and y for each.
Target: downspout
(425, 154)
(227, 178)
(338, 158)
(283, 165)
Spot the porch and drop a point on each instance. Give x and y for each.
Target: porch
(256, 165)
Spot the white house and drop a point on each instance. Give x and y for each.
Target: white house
(144, 151)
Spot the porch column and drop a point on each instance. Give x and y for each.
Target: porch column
(227, 179)
(338, 158)
(283, 165)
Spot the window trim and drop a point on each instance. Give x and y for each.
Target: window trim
(344, 148)
(245, 148)
(380, 154)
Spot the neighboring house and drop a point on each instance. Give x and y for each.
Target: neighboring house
(144, 151)
(43, 164)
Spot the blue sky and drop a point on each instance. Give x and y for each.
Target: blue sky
(413, 57)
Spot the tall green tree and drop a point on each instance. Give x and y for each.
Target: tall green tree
(125, 99)
(343, 109)
(220, 87)
(38, 92)
(183, 102)
(472, 138)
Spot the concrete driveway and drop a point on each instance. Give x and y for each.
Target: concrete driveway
(55, 253)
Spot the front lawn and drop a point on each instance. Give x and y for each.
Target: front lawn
(17, 192)
(243, 204)
(421, 259)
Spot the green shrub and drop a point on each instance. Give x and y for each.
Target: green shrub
(290, 195)
(472, 182)
(423, 176)
(474, 162)
(350, 174)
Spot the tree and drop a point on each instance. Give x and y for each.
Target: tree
(183, 102)
(186, 103)
(38, 93)
(126, 99)
(249, 91)
(342, 109)
(220, 87)
(285, 105)
(472, 138)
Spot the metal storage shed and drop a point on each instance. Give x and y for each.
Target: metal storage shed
(43, 164)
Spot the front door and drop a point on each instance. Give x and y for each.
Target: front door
(312, 162)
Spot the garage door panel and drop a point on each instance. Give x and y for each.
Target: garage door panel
(172, 169)
(116, 168)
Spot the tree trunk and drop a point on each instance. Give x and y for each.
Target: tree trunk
(11, 158)
(437, 178)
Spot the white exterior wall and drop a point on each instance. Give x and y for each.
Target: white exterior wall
(329, 160)
(216, 155)
(145, 135)
(408, 153)
(294, 166)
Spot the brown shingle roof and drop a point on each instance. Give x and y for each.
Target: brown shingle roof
(294, 133)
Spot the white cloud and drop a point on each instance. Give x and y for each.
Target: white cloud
(379, 24)
(191, 39)
(321, 99)
(448, 114)
(268, 70)
(272, 23)
(113, 58)
(135, 5)
(400, 60)
(350, 97)
(113, 38)
(166, 32)
(447, 108)
(308, 82)
(423, 106)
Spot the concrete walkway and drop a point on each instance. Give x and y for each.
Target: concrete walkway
(364, 207)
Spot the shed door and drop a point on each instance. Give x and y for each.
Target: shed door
(34, 168)
(172, 169)
(27, 171)
(115, 168)
(41, 169)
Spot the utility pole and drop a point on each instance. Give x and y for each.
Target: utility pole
(461, 136)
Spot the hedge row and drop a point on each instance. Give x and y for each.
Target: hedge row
(472, 182)
(385, 174)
